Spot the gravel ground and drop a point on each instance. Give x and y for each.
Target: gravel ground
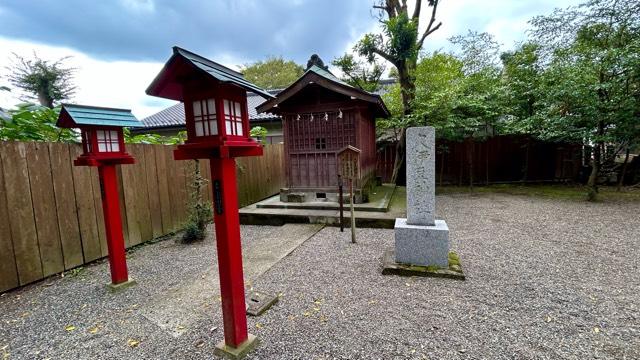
(545, 280)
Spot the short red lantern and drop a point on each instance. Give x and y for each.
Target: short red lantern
(215, 103)
(103, 146)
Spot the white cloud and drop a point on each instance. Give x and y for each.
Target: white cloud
(119, 84)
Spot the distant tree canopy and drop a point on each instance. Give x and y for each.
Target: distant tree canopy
(576, 79)
(48, 82)
(359, 73)
(272, 73)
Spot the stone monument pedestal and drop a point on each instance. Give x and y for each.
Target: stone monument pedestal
(422, 242)
(422, 245)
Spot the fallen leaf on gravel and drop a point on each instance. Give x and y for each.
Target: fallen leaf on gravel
(316, 309)
(548, 318)
(323, 318)
(199, 343)
(93, 330)
(214, 329)
(258, 326)
(596, 330)
(407, 284)
(180, 327)
(373, 301)
(133, 343)
(70, 328)
(292, 317)
(306, 313)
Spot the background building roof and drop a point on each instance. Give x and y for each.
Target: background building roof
(174, 115)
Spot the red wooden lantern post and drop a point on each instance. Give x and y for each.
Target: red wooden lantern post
(103, 146)
(217, 129)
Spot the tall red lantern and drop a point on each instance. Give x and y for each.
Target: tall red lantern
(103, 146)
(217, 120)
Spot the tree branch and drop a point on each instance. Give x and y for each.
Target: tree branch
(384, 55)
(416, 11)
(430, 29)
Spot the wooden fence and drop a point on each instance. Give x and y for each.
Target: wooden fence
(51, 216)
(499, 159)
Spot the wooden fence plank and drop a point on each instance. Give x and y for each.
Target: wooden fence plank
(123, 209)
(163, 189)
(151, 173)
(8, 271)
(86, 208)
(175, 181)
(142, 193)
(97, 203)
(21, 219)
(54, 209)
(44, 208)
(130, 203)
(68, 226)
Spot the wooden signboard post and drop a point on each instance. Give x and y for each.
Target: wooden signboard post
(349, 168)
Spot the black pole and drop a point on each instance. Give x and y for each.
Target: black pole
(341, 204)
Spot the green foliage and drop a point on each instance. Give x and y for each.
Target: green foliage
(200, 211)
(258, 132)
(272, 73)
(358, 73)
(48, 82)
(130, 138)
(30, 122)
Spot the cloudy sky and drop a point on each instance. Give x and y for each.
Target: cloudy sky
(118, 46)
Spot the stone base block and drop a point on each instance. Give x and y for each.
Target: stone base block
(391, 267)
(258, 302)
(422, 245)
(121, 286)
(228, 352)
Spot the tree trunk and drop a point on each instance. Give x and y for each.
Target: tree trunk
(486, 159)
(470, 153)
(442, 159)
(407, 86)
(624, 169)
(45, 100)
(592, 184)
(525, 175)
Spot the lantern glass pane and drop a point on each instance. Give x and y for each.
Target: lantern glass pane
(213, 126)
(204, 117)
(237, 105)
(226, 108)
(196, 108)
(229, 127)
(238, 128)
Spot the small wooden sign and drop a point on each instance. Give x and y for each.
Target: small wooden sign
(349, 163)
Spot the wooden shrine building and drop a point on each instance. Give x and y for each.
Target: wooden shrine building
(321, 116)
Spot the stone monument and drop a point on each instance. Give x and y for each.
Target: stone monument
(421, 241)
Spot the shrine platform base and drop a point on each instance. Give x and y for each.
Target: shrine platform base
(386, 205)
